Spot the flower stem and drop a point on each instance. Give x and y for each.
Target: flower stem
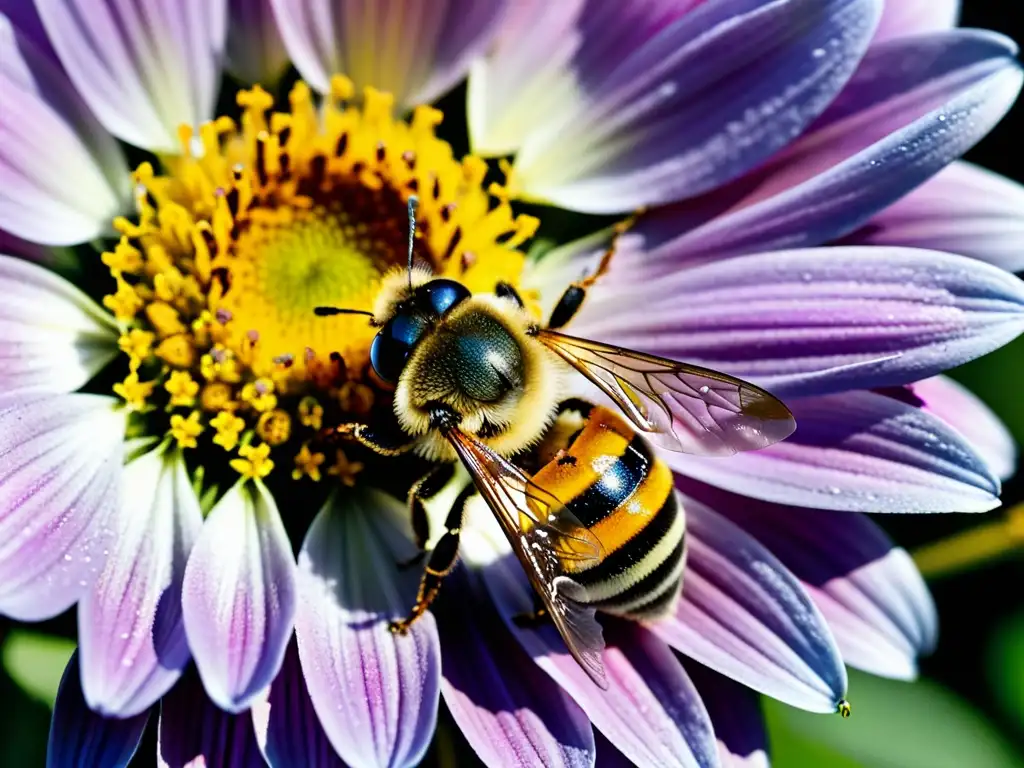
(973, 547)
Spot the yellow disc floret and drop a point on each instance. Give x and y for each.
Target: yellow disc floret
(258, 222)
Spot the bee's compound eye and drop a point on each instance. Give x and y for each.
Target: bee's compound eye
(394, 343)
(442, 295)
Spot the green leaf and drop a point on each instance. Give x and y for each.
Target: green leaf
(1005, 667)
(35, 662)
(893, 725)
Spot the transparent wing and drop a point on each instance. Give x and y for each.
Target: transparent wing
(546, 537)
(681, 407)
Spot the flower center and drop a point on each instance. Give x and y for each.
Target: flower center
(258, 223)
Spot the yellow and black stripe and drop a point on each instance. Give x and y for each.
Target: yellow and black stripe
(611, 480)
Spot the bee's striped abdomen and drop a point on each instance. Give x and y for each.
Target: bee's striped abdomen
(617, 488)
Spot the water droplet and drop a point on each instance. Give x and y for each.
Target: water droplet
(818, 53)
(834, 490)
(705, 389)
(67, 558)
(807, 277)
(124, 635)
(126, 662)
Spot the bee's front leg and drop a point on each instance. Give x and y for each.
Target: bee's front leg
(442, 561)
(424, 489)
(387, 440)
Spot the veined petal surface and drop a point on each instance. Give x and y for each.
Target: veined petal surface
(287, 727)
(711, 96)
(414, 51)
(81, 738)
(746, 616)
(353, 664)
(868, 589)
(158, 66)
(968, 415)
(52, 336)
(507, 708)
(60, 480)
(651, 711)
(62, 177)
(238, 598)
(816, 320)
(858, 452)
(131, 637)
(913, 106)
(963, 209)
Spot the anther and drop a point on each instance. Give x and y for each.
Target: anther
(286, 360)
(252, 335)
(261, 387)
(219, 354)
(468, 260)
(453, 243)
(436, 189)
(310, 354)
(341, 146)
(380, 151)
(410, 159)
(446, 211)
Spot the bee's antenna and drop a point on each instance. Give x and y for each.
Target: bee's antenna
(413, 202)
(328, 311)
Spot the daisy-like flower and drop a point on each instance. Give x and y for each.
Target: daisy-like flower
(164, 394)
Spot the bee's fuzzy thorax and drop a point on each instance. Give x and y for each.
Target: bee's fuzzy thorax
(394, 289)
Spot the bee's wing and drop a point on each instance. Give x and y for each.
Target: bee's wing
(544, 535)
(681, 407)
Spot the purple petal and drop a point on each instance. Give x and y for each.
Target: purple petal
(816, 321)
(867, 588)
(912, 107)
(62, 177)
(736, 714)
(255, 51)
(713, 95)
(60, 476)
(507, 708)
(405, 49)
(969, 416)
(81, 738)
(195, 733)
(52, 336)
(131, 637)
(904, 18)
(651, 712)
(238, 598)
(745, 615)
(24, 18)
(13, 245)
(158, 65)
(858, 452)
(549, 58)
(963, 209)
(287, 728)
(349, 588)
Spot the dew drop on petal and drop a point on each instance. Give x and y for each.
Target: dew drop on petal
(705, 389)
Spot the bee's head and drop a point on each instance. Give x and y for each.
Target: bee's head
(411, 319)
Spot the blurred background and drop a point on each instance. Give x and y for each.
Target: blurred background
(966, 711)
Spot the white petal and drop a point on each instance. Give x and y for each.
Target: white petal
(143, 67)
(60, 475)
(131, 638)
(239, 596)
(52, 336)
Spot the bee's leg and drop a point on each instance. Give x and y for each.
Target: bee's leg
(384, 438)
(507, 290)
(582, 407)
(422, 490)
(574, 295)
(442, 561)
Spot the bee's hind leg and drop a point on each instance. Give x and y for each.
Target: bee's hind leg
(424, 489)
(442, 561)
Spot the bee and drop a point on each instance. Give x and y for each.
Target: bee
(597, 524)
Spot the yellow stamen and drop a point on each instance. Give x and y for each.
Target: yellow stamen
(216, 396)
(228, 427)
(311, 414)
(136, 343)
(186, 430)
(182, 389)
(178, 351)
(259, 395)
(344, 469)
(274, 427)
(134, 392)
(254, 463)
(307, 464)
(125, 303)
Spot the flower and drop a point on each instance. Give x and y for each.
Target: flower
(803, 226)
